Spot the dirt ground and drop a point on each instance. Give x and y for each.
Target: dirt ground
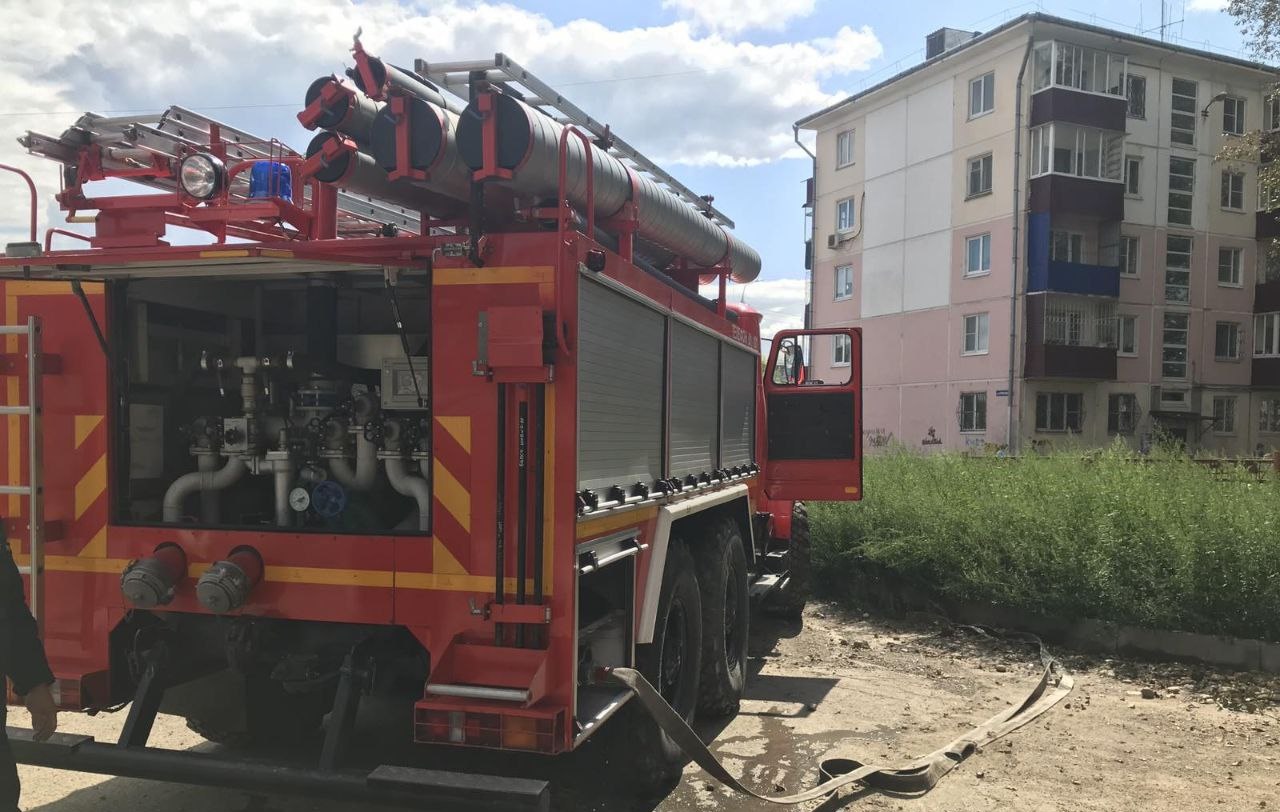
(887, 691)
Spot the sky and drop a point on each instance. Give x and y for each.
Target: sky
(707, 88)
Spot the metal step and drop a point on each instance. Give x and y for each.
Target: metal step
(406, 787)
(765, 584)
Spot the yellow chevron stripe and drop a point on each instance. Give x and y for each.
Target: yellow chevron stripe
(452, 495)
(91, 486)
(97, 546)
(84, 426)
(459, 428)
(443, 562)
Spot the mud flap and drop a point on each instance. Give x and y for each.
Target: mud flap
(918, 776)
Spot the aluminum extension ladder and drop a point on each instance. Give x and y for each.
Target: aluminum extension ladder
(34, 487)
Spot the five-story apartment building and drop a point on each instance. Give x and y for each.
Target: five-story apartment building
(1038, 235)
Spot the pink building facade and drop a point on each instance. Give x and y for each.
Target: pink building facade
(1042, 247)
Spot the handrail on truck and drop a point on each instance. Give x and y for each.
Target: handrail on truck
(31, 185)
(565, 211)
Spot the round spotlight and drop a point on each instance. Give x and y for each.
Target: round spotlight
(202, 175)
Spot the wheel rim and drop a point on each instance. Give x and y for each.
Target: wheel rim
(674, 648)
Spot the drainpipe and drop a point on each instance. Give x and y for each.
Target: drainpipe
(1011, 434)
(813, 229)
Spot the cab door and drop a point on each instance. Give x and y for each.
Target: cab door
(813, 422)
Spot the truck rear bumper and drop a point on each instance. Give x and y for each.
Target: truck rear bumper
(387, 784)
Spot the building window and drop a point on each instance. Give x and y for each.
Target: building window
(844, 149)
(1266, 335)
(977, 255)
(1182, 119)
(982, 95)
(1065, 246)
(1136, 90)
(1224, 415)
(1085, 152)
(1226, 341)
(1270, 416)
(1233, 191)
(1177, 269)
(1079, 68)
(844, 215)
(980, 175)
(1182, 187)
(1059, 411)
(1173, 398)
(975, 334)
(844, 281)
(1122, 413)
(1233, 115)
(1133, 176)
(973, 411)
(1229, 263)
(1272, 116)
(841, 349)
(1128, 336)
(1174, 359)
(1128, 255)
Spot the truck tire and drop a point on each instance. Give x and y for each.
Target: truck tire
(672, 663)
(721, 563)
(789, 601)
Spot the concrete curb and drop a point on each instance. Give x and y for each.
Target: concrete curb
(1102, 637)
(891, 593)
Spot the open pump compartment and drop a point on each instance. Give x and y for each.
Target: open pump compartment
(283, 401)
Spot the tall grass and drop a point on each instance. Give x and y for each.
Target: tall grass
(1162, 542)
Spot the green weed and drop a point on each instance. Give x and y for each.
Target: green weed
(1162, 541)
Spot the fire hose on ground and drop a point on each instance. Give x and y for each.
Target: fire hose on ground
(918, 776)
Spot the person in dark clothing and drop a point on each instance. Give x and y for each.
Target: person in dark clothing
(22, 660)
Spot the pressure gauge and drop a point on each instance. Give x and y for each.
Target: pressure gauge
(299, 499)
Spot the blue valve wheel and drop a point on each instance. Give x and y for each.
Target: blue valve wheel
(328, 499)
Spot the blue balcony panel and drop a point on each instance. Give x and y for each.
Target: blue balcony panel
(1057, 276)
(1075, 277)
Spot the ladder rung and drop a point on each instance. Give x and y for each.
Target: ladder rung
(15, 410)
(14, 490)
(24, 569)
(14, 329)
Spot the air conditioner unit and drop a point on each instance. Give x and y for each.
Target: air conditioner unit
(833, 240)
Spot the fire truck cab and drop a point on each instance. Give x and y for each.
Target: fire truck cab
(433, 413)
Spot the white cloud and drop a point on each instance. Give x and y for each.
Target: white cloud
(685, 96)
(780, 301)
(1207, 5)
(736, 16)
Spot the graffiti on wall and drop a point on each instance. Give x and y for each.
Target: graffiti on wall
(877, 438)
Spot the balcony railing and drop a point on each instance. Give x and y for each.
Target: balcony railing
(1069, 337)
(1065, 194)
(1266, 372)
(1266, 297)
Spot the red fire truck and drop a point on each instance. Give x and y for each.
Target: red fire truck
(433, 412)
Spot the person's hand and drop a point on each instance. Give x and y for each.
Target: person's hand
(44, 712)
